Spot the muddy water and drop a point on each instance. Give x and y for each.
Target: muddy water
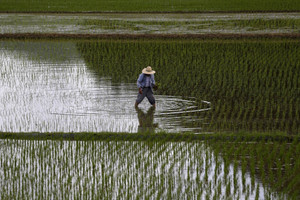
(31, 169)
(47, 87)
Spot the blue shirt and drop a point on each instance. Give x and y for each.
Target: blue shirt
(148, 83)
(143, 82)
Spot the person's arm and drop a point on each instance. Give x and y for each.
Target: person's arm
(152, 77)
(154, 86)
(139, 83)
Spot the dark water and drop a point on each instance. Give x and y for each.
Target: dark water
(47, 87)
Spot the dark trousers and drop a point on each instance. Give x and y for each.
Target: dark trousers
(147, 92)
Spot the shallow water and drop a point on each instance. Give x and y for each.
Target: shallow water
(32, 169)
(47, 87)
(199, 23)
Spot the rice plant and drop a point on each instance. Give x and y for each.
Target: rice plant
(39, 169)
(142, 6)
(273, 163)
(252, 84)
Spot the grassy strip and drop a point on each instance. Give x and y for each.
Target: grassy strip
(174, 137)
(154, 12)
(147, 36)
(146, 5)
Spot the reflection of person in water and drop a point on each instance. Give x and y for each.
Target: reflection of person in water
(146, 120)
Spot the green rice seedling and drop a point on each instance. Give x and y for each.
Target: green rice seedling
(145, 6)
(239, 102)
(114, 163)
(194, 25)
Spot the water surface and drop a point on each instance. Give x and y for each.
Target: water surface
(158, 23)
(123, 169)
(47, 87)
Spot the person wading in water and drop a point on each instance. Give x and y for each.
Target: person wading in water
(146, 83)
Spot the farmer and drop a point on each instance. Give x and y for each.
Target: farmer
(145, 84)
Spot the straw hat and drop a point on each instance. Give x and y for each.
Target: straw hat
(148, 70)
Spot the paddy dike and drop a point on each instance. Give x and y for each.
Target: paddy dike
(161, 136)
(145, 36)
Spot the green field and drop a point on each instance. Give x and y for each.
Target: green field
(66, 105)
(272, 162)
(248, 146)
(149, 169)
(252, 84)
(146, 5)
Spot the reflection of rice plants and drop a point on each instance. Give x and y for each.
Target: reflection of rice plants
(276, 164)
(129, 170)
(252, 84)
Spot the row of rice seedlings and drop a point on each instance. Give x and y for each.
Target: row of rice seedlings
(142, 6)
(119, 169)
(275, 164)
(260, 102)
(252, 24)
(252, 84)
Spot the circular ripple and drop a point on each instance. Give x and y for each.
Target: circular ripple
(63, 95)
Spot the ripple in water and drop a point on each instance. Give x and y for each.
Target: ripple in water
(47, 87)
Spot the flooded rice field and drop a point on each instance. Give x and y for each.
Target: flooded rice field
(32, 169)
(47, 87)
(205, 86)
(159, 23)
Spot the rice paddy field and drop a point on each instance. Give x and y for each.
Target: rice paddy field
(221, 85)
(39, 169)
(146, 5)
(226, 123)
(78, 85)
(236, 76)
